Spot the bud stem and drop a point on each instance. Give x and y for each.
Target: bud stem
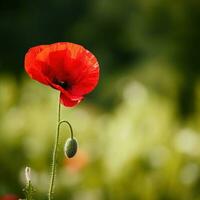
(54, 159)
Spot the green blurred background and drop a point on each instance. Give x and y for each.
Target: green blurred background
(138, 132)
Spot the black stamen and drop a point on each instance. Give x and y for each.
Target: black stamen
(63, 84)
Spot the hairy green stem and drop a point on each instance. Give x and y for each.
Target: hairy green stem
(54, 162)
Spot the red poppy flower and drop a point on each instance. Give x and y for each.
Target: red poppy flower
(66, 67)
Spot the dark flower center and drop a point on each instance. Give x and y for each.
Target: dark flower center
(63, 84)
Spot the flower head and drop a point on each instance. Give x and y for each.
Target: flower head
(66, 67)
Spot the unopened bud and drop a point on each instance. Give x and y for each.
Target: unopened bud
(70, 147)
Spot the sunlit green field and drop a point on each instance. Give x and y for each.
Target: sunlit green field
(138, 150)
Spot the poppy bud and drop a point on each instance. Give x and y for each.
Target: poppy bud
(70, 147)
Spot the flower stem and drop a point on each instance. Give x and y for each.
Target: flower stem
(54, 162)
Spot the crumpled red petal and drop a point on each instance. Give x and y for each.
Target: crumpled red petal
(66, 101)
(89, 76)
(33, 67)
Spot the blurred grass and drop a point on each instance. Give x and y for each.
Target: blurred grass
(139, 150)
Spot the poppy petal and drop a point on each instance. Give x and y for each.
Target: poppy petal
(66, 93)
(56, 54)
(83, 69)
(56, 62)
(33, 67)
(66, 101)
